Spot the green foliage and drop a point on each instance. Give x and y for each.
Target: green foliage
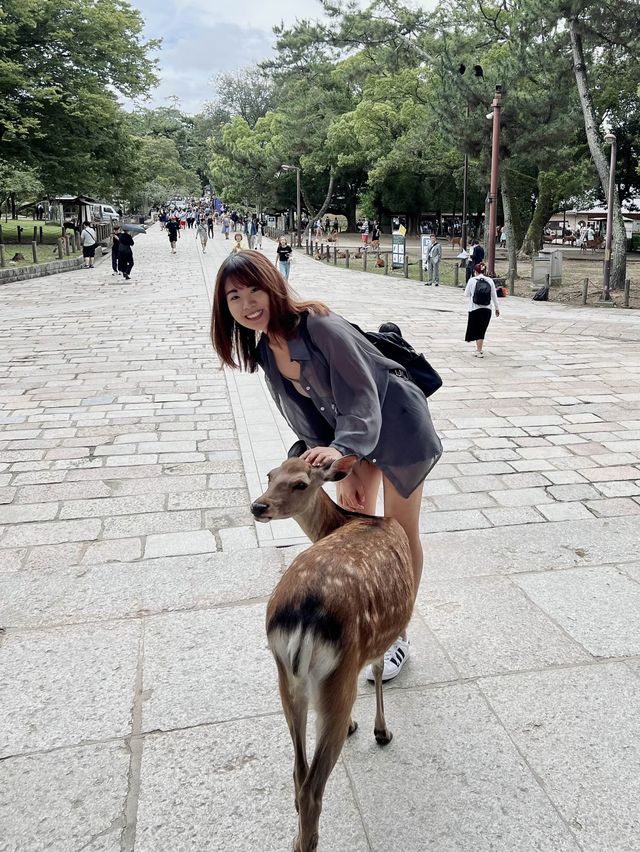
(63, 64)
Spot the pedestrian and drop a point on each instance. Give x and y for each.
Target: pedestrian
(88, 241)
(503, 237)
(125, 255)
(257, 240)
(338, 393)
(283, 257)
(115, 244)
(364, 232)
(226, 225)
(238, 245)
(375, 235)
(210, 225)
(481, 294)
(476, 257)
(39, 211)
(202, 235)
(433, 262)
(173, 229)
(336, 226)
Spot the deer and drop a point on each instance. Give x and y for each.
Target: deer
(338, 606)
(454, 241)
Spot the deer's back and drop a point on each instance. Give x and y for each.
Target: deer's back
(353, 588)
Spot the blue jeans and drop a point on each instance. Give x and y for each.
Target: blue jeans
(283, 268)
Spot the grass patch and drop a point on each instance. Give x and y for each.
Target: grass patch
(50, 231)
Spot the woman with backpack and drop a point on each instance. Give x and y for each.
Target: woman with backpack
(339, 394)
(481, 293)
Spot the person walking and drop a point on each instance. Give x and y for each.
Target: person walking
(257, 240)
(226, 225)
(173, 229)
(338, 393)
(88, 241)
(115, 244)
(125, 255)
(433, 262)
(476, 257)
(481, 294)
(283, 257)
(210, 225)
(202, 235)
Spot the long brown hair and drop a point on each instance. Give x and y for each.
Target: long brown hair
(236, 345)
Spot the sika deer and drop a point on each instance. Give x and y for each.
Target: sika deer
(339, 606)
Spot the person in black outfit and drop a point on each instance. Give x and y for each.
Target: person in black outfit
(115, 245)
(125, 255)
(476, 257)
(173, 229)
(210, 225)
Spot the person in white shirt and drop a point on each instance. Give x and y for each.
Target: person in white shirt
(481, 293)
(89, 241)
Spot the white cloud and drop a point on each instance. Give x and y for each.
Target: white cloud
(202, 39)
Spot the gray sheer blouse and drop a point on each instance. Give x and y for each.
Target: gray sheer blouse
(358, 401)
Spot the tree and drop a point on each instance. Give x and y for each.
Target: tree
(17, 180)
(63, 64)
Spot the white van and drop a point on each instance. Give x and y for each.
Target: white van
(107, 213)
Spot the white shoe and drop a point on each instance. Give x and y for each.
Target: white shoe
(479, 354)
(394, 659)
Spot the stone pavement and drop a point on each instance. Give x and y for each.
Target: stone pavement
(138, 701)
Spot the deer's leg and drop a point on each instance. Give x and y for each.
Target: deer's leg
(334, 715)
(295, 708)
(380, 731)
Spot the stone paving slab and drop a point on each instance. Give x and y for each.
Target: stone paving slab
(122, 444)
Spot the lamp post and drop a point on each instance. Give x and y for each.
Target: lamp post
(610, 139)
(296, 169)
(495, 171)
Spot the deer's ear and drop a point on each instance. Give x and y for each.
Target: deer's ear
(297, 450)
(340, 468)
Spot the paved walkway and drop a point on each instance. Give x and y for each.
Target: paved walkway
(138, 701)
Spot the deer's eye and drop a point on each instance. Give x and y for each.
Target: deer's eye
(300, 486)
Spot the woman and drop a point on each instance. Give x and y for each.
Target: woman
(125, 255)
(115, 246)
(88, 241)
(283, 257)
(338, 393)
(481, 293)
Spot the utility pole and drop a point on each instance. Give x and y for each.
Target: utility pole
(495, 173)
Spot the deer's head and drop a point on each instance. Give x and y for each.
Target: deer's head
(294, 485)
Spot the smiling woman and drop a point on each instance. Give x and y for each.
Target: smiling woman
(339, 394)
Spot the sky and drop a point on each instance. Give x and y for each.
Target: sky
(203, 38)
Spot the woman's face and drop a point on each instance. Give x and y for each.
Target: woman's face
(249, 306)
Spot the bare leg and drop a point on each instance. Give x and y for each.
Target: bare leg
(406, 510)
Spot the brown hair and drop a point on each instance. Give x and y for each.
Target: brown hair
(232, 341)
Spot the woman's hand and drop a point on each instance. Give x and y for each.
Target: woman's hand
(317, 456)
(350, 492)
(497, 312)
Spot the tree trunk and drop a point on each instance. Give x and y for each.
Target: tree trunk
(512, 245)
(533, 239)
(325, 204)
(619, 253)
(14, 215)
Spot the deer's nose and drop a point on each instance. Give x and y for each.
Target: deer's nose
(258, 509)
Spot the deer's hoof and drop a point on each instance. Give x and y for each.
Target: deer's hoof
(382, 737)
(353, 727)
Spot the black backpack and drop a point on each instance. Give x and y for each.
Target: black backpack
(394, 347)
(482, 293)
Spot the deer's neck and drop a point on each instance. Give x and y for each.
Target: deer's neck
(322, 517)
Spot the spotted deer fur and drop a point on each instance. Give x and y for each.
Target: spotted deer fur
(339, 606)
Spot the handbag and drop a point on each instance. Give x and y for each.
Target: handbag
(394, 347)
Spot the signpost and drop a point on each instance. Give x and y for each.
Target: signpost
(425, 245)
(398, 245)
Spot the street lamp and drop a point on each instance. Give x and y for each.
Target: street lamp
(609, 139)
(296, 169)
(495, 171)
(478, 72)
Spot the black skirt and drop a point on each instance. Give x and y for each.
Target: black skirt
(477, 324)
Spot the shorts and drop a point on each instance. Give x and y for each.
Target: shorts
(89, 251)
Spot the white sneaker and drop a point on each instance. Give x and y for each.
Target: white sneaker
(394, 659)
(479, 354)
